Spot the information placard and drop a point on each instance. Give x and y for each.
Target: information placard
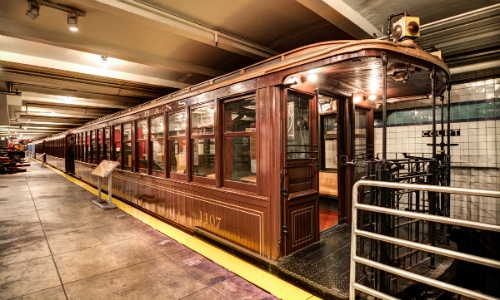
(105, 168)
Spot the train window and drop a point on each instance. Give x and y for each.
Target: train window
(158, 145)
(93, 140)
(203, 141)
(202, 120)
(239, 115)
(239, 141)
(78, 147)
(298, 134)
(117, 138)
(177, 156)
(142, 143)
(177, 124)
(107, 143)
(86, 144)
(204, 157)
(157, 127)
(177, 142)
(127, 146)
(100, 150)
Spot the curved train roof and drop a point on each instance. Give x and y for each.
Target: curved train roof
(337, 50)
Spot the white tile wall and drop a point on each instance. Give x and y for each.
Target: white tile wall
(478, 146)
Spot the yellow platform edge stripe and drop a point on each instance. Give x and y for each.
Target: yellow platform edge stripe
(265, 280)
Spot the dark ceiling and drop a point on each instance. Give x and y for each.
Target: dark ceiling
(52, 79)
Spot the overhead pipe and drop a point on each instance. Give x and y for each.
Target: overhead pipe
(461, 17)
(192, 30)
(475, 67)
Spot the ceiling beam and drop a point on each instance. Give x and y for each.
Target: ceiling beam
(344, 17)
(191, 30)
(96, 102)
(45, 37)
(20, 51)
(46, 120)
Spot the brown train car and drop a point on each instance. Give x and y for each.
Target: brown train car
(239, 156)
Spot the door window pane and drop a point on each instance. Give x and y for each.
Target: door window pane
(329, 136)
(299, 139)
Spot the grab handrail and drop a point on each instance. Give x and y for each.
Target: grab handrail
(432, 249)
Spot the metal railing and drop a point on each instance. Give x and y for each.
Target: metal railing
(355, 259)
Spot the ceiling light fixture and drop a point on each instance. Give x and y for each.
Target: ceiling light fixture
(73, 13)
(73, 21)
(33, 9)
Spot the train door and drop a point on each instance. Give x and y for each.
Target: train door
(328, 174)
(299, 222)
(70, 154)
(355, 144)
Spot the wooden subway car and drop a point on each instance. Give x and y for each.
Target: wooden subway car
(239, 156)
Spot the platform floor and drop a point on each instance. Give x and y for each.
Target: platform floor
(55, 244)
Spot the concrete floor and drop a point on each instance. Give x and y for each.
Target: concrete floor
(55, 244)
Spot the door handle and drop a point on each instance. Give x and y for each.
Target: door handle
(344, 160)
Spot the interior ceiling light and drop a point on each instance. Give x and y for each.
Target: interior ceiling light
(73, 21)
(33, 9)
(404, 75)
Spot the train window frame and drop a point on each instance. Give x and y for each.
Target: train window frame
(247, 136)
(100, 145)
(203, 141)
(295, 122)
(93, 146)
(78, 147)
(142, 136)
(117, 144)
(157, 158)
(107, 143)
(174, 142)
(86, 145)
(128, 158)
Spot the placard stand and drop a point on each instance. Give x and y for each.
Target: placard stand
(43, 158)
(105, 169)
